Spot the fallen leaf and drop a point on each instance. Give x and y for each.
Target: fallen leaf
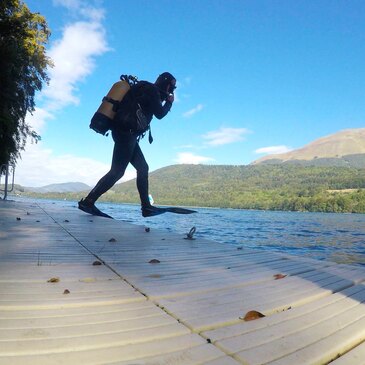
(279, 276)
(252, 315)
(112, 240)
(154, 276)
(96, 263)
(53, 280)
(154, 261)
(66, 291)
(88, 280)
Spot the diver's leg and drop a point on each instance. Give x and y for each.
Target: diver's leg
(139, 163)
(122, 154)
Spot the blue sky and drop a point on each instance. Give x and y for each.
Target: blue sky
(254, 77)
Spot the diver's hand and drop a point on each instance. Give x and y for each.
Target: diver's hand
(171, 98)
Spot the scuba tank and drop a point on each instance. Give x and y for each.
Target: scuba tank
(101, 122)
(110, 102)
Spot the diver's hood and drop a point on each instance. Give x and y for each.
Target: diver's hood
(162, 81)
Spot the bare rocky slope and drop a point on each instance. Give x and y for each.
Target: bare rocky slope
(346, 147)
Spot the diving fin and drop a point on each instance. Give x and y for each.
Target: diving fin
(179, 210)
(92, 209)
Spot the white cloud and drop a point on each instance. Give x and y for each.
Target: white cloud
(273, 150)
(190, 158)
(81, 7)
(39, 167)
(74, 59)
(73, 56)
(193, 111)
(225, 136)
(38, 119)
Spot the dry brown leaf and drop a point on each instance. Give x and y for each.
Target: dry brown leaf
(66, 291)
(252, 315)
(154, 276)
(154, 261)
(279, 276)
(96, 263)
(53, 280)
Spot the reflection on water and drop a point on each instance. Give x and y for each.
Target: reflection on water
(336, 237)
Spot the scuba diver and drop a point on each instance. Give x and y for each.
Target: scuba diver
(154, 99)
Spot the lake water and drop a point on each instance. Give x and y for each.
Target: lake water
(325, 236)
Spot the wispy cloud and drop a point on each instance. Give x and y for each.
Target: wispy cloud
(74, 57)
(193, 111)
(191, 158)
(273, 150)
(225, 135)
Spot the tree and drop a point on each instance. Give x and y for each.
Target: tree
(23, 65)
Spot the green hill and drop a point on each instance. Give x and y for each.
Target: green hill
(263, 186)
(284, 187)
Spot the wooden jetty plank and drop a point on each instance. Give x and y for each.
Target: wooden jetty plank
(20, 320)
(267, 334)
(277, 318)
(204, 354)
(299, 347)
(212, 283)
(354, 357)
(71, 330)
(38, 341)
(227, 316)
(263, 289)
(330, 347)
(109, 353)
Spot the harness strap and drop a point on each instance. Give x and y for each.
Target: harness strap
(111, 101)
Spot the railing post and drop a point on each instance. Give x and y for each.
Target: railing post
(6, 181)
(6, 186)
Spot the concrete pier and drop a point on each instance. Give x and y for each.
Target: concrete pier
(78, 289)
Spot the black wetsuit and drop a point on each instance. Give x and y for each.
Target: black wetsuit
(126, 146)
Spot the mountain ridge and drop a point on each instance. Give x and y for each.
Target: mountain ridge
(68, 187)
(341, 146)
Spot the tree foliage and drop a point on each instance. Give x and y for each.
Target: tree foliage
(23, 65)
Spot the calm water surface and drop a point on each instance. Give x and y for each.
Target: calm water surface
(331, 236)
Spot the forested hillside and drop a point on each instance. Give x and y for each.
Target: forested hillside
(269, 187)
(272, 187)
